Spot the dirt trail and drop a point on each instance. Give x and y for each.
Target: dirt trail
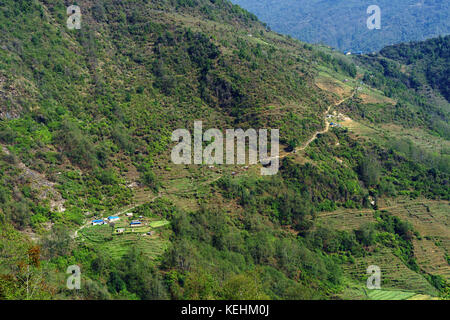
(307, 143)
(119, 213)
(316, 134)
(327, 125)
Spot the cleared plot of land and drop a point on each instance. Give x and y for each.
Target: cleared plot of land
(372, 95)
(118, 245)
(394, 273)
(353, 293)
(375, 97)
(431, 257)
(431, 219)
(346, 219)
(360, 292)
(160, 223)
(389, 134)
(359, 128)
(389, 294)
(417, 136)
(423, 297)
(152, 247)
(331, 84)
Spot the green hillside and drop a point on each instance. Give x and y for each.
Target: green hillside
(86, 118)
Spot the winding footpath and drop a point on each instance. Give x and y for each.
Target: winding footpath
(327, 125)
(306, 144)
(317, 133)
(118, 214)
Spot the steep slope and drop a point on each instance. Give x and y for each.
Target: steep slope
(428, 62)
(415, 77)
(85, 122)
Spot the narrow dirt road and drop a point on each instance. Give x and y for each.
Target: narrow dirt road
(305, 145)
(316, 134)
(118, 214)
(327, 125)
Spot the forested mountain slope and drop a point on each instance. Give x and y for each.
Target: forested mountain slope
(86, 118)
(428, 61)
(342, 24)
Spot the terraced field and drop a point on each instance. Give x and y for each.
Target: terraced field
(118, 245)
(394, 273)
(389, 294)
(423, 297)
(360, 292)
(330, 83)
(430, 218)
(157, 224)
(151, 246)
(346, 219)
(431, 257)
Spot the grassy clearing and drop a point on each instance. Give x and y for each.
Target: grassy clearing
(361, 128)
(151, 246)
(417, 136)
(430, 218)
(431, 257)
(372, 95)
(158, 224)
(334, 83)
(423, 297)
(96, 234)
(389, 295)
(346, 219)
(119, 244)
(356, 291)
(394, 274)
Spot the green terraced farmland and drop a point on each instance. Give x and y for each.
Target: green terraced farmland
(394, 274)
(119, 244)
(151, 246)
(346, 219)
(158, 224)
(96, 234)
(389, 294)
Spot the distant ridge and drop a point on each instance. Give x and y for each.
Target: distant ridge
(342, 24)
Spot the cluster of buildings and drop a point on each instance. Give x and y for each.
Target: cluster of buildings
(100, 222)
(110, 219)
(127, 226)
(338, 117)
(133, 224)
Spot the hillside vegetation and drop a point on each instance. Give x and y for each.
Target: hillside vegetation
(342, 24)
(85, 125)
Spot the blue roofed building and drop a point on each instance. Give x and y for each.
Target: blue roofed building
(97, 222)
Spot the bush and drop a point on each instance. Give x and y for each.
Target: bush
(77, 146)
(149, 179)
